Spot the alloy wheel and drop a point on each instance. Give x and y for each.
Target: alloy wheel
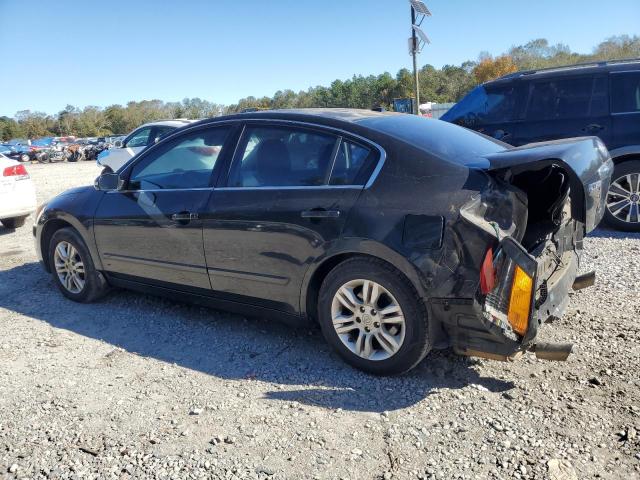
(69, 267)
(368, 319)
(623, 198)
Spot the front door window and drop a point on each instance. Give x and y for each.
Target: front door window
(186, 162)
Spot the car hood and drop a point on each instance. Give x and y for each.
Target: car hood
(75, 191)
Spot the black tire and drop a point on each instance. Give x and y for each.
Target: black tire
(25, 157)
(15, 222)
(95, 286)
(416, 342)
(620, 170)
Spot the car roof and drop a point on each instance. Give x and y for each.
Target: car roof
(332, 117)
(180, 122)
(588, 68)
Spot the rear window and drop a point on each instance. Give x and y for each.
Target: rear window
(445, 140)
(625, 92)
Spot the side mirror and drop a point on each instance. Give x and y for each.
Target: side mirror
(108, 182)
(118, 144)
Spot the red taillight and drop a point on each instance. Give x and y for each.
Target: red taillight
(15, 171)
(487, 273)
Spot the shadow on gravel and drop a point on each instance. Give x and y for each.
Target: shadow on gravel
(606, 232)
(6, 231)
(231, 347)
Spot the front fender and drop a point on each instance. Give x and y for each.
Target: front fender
(74, 208)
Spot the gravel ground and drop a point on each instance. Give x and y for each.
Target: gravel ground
(140, 387)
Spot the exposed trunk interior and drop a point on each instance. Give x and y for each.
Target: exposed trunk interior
(549, 204)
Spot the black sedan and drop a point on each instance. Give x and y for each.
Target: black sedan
(397, 234)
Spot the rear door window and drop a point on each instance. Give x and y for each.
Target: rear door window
(625, 92)
(277, 156)
(560, 98)
(599, 98)
(351, 165)
(160, 132)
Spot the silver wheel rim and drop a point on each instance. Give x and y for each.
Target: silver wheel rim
(368, 319)
(69, 267)
(623, 198)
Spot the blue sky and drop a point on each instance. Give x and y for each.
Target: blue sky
(99, 53)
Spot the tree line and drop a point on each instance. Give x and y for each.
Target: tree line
(447, 84)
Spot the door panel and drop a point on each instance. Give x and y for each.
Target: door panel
(136, 236)
(260, 242)
(152, 230)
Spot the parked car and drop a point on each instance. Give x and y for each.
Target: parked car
(17, 195)
(6, 149)
(20, 149)
(113, 159)
(111, 141)
(398, 234)
(600, 99)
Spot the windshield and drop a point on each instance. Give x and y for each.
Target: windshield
(42, 142)
(484, 105)
(442, 139)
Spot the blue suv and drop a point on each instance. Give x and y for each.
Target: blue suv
(601, 99)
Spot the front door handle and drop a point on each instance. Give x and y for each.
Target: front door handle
(320, 213)
(594, 127)
(184, 217)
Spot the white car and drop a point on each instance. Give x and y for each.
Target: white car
(17, 195)
(148, 134)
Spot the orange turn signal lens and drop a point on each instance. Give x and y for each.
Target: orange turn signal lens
(520, 301)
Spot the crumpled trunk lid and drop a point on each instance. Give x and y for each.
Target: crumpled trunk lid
(585, 161)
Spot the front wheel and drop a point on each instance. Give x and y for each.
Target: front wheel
(623, 198)
(72, 267)
(24, 157)
(372, 316)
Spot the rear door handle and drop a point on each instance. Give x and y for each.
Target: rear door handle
(320, 213)
(184, 217)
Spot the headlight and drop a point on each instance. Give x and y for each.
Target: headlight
(39, 211)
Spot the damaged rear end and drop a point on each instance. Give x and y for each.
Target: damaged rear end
(539, 203)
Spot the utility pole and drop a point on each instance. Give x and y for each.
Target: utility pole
(419, 12)
(414, 54)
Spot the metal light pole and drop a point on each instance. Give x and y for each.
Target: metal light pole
(414, 54)
(419, 12)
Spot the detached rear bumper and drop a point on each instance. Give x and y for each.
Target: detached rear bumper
(481, 327)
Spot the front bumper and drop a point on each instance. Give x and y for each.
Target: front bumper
(479, 326)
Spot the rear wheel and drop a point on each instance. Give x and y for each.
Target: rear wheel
(372, 316)
(623, 198)
(15, 222)
(24, 157)
(72, 267)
